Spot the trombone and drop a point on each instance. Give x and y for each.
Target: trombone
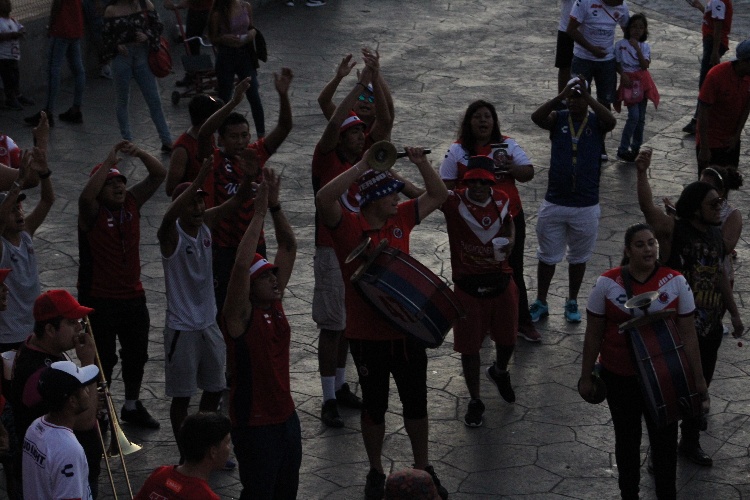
(119, 444)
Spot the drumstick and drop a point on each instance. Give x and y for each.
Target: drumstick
(402, 154)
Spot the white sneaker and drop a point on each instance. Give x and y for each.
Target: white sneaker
(315, 3)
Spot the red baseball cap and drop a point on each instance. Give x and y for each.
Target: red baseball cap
(113, 172)
(260, 264)
(181, 189)
(351, 121)
(58, 303)
(481, 168)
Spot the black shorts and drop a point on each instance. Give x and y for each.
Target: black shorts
(564, 50)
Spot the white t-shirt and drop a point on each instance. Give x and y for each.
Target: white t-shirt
(10, 49)
(598, 25)
(565, 7)
(626, 55)
(54, 464)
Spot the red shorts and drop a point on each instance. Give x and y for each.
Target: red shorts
(494, 316)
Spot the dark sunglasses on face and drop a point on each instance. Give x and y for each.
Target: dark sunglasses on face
(368, 98)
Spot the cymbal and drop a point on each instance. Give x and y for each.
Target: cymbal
(642, 300)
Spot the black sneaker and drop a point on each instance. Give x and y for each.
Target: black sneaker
(690, 127)
(695, 454)
(330, 414)
(502, 382)
(71, 116)
(473, 417)
(34, 120)
(345, 397)
(166, 148)
(140, 417)
(627, 156)
(439, 487)
(375, 485)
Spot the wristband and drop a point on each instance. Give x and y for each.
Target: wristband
(275, 209)
(45, 176)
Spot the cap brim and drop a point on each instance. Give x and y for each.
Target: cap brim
(78, 312)
(479, 174)
(89, 374)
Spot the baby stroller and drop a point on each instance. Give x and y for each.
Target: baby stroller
(198, 68)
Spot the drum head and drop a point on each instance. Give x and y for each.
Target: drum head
(642, 300)
(357, 251)
(381, 156)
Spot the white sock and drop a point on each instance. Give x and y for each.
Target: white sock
(340, 377)
(130, 404)
(329, 391)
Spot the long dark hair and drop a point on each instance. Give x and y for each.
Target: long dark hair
(630, 233)
(637, 17)
(466, 136)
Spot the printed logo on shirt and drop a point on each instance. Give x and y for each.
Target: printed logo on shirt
(30, 449)
(3, 151)
(173, 485)
(664, 297)
(486, 221)
(397, 233)
(67, 470)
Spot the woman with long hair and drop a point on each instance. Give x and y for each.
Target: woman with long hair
(131, 30)
(605, 312)
(479, 134)
(231, 30)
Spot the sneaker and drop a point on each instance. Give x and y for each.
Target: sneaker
(690, 127)
(439, 487)
(13, 103)
(627, 156)
(315, 3)
(502, 382)
(330, 414)
(571, 311)
(140, 417)
(230, 465)
(345, 397)
(375, 485)
(695, 454)
(473, 417)
(106, 72)
(528, 332)
(538, 310)
(25, 101)
(34, 120)
(71, 116)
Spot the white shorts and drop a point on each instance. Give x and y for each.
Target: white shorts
(194, 360)
(573, 228)
(328, 306)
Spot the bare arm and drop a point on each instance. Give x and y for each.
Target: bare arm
(731, 230)
(178, 163)
(728, 296)
(592, 344)
(146, 188)
(276, 137)
(715, 57)
(213, 123)
(436, 193)
(605, 116)
(39, 167)
(325, 99)
(381, 129)
(545, 115)
(244, 193)
(662, 223)
(287, 243)
(410, 190)
(327, 199)
(237, 307)
(578, 37)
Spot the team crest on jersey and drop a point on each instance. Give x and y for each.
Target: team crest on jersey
(3, 151)
(486, 221)
(398, 233)
(664, 297)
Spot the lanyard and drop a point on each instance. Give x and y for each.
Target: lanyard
(574, 137)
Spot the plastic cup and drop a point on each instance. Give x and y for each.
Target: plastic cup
(8, 358)
(499, 244)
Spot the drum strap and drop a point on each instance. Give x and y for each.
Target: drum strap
(627, 282)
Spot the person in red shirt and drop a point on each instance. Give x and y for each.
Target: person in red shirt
(109, 277)
(65, 34)
(265, 427)
(234, 159)
(377, 348)
(205, 443)
(723, 107)
(483, 279)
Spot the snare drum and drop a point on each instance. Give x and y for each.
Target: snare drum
(415, 300)
(664, 373)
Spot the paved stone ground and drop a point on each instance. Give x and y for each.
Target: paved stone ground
(437, 57)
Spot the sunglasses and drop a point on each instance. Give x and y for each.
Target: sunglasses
(366, 98)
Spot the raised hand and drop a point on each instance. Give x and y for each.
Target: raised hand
(283, 81)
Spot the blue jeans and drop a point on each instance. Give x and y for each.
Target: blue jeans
(632, 133)
(604, 74)
(59, 49)
(232, 61)
(269, 459)
(135, 66)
